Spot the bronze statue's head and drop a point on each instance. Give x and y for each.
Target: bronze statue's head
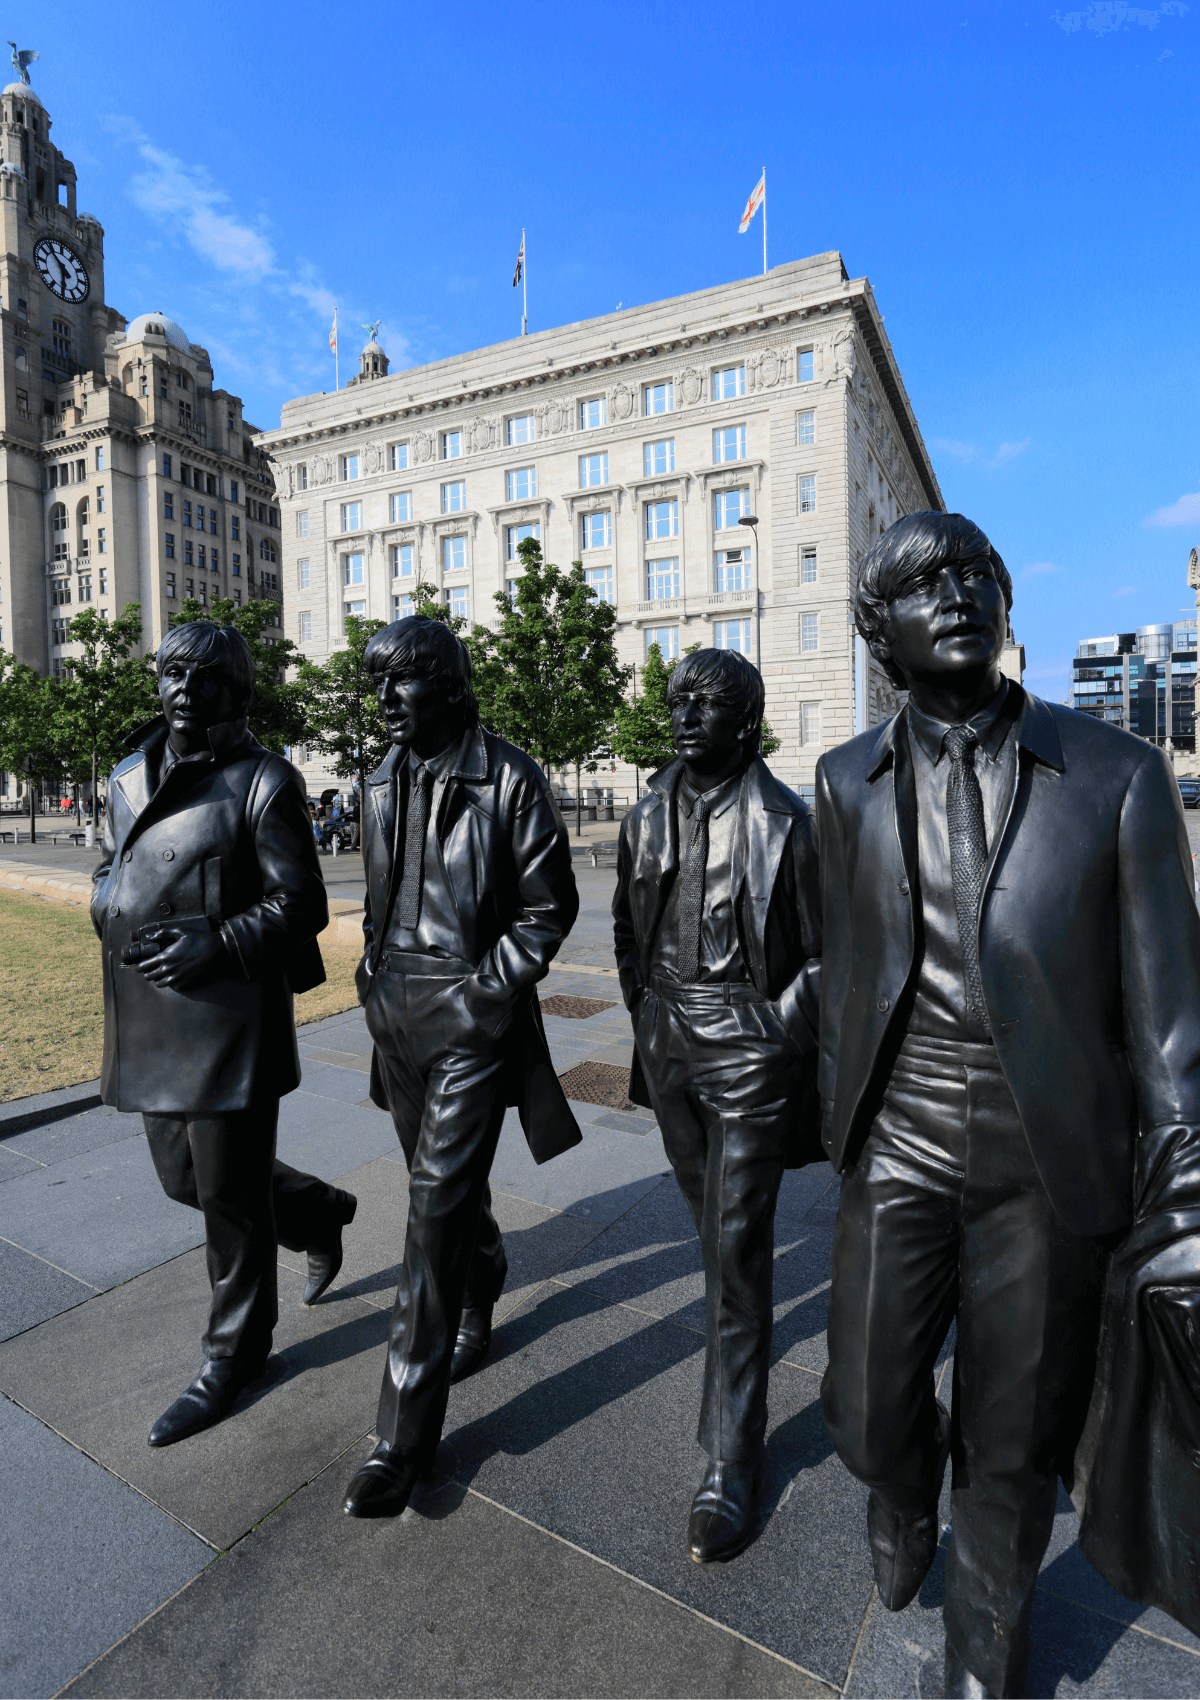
(422, 676)
(716, 698)
(933, 599)
(205, 676)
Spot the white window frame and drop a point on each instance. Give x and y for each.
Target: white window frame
(600, 581)
(806, 493)
(305, 625)
(452, 503)
(720, 457)
(810, 725)
(400, 507)
(671, 503)
(806, 427)
(593, 413)
(350, 468)
(810, 634)
(649, 394)
(400, 553)
(808, 558)
(513, 538)
(654, 634)
(659, 570)
(651, 471)
(729, 570)
(721, 632)
(728, 382)
(804, 355)
(398, 457)
(349, 583)
(303, 575)
(352, 516)
(587, 522)
(451, 546)
(452, 445)
(586, 481)
(518, 428)
(512, 490)
(302, 523)
(458, 601)
(721, 507)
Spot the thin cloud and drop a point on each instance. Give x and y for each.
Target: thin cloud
(1038, 569)
(1104, 17)
(1186, 511)
(1010, 451)
(972, 454)
(167, 187)
(1126, 590)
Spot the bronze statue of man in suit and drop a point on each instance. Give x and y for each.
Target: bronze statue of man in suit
(1010, 1015)
(208, 900)
(717, 928)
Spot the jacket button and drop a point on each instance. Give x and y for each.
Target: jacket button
(883, 1005)
(168, 855)
(164, 908)
(115, 910)
(902, 888)
(128, 856)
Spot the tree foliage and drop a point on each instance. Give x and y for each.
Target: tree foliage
(343, 718)
(643, 736)
(103, 694)
(278, 711)
(27, 742)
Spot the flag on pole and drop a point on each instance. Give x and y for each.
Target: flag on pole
(757, 195)
(333, 334)
(520, 271)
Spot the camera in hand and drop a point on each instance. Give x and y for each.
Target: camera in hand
(145, 942)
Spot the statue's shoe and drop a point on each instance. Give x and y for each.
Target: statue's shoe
(722, 1518)
(206, 1401)
(903, 1547)
(471, 1346)
(384, 1484)
(324, 1262)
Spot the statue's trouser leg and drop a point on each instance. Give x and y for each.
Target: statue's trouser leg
(447, 1099)
(725, 1085)
(223, 1166)
(943, 1216)
(304, 1213)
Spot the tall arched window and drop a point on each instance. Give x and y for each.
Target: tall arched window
(59, 534)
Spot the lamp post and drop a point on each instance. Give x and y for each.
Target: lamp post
(752, 521)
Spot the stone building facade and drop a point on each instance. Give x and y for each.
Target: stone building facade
(635, 443)
(125, 474)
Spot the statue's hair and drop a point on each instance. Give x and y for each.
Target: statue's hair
(897, 561)
(421, 648)
(725, 674)
(222, 648)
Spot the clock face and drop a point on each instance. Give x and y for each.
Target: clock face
(62, 271)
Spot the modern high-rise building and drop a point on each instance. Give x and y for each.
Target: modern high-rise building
(125, 474)
(1143, 681)
(636, 443)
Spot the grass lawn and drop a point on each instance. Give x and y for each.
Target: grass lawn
(51, 1001)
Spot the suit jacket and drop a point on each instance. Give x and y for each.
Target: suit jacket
(776, 901)
(507, 861)
(1089, 947)
(224, 842)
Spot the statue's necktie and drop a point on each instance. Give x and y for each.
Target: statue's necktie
(691, 893)
(414, 848)
(968, 857)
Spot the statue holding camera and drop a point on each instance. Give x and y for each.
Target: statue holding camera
(208, 901)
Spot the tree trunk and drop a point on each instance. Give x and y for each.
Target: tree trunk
(578, 805)
(95, 792)
(32, 811)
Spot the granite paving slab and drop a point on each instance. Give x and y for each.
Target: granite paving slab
(60, 1137)
(328, 1138)
(339, 1059)
(32, 1290)
(584, 1422)
(597, 1180)
(14, 1163)
(341, 1083)
(95, 1558)
(101, 1374)
(457, 1597)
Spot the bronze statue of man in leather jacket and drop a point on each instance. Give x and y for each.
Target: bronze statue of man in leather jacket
(208, 900)
(1010, 1019)
(469, 895)
(717, 931)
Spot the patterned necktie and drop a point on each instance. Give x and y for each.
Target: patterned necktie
(691, 893)
(414, 849)
(968, 857)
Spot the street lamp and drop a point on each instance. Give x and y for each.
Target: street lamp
(752, 521)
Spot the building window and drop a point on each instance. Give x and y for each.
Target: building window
(810, 723)
(303, 575)
(659, 457)
(351, 516)
(452, 446)
(235, 527)
(810, 633)
(806, 428)
(454, 497)
(658, 398)
(170, 546)
(728, 508)
(203, 596)
(733, 569)
(728, 382)
(662, 518)
(593, 413)
(166, 466)
(60, 592)
(352, 569)
(349, 466)
(808, 493)
(403, 607)
(358, 609)
(398, 457)
(454, 554)
(729, 443)
(200, 558)
(402, 560)
(301, 474)
(306, 627)
(400, 507)
(804, 366)
(267, 550)
(187, 551)
(237, 598)
(233, 495)
(187, 513)
(520, 485)
(600, 582)
(667, 639)
(515, 535)
(456, 601)
(593, 469)
(104, 581)
(216, 561)
(99, 498)
(60, 631)
(662, 580)
(168, 504)
(189, 587)
(597, 530)
(102, 540)
(302, 523)
(199, 517)
(520, 429)
(236, 568)
(808, 564)
(732, 634)
(100, 460)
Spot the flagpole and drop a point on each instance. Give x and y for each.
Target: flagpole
(764, 221)
(337, 377)
(524, 287)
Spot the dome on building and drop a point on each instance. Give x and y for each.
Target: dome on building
(157, 324)
(90, 218)
(11, 167)
(372, 347)
(21, 91)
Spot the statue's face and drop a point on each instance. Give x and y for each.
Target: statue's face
(708, 730)
(951, 621)
(197, 696)
(419, 711)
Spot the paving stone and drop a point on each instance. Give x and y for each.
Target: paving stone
(342, 1085)
(94, 1558)
(71, 1136)
(485, 1605)
(14, 1163)
(583, 1421)
(339, 1059)
(597, 1180)
(41, 1107)
(327, 1138)
(32, 1290)
(102, 1374)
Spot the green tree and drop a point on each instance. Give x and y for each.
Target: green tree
(278, 711)
(643, 736)
(427, 601)
(770, 740)
(27, 740)
(103, 694)
(341, 709)
(593, 681)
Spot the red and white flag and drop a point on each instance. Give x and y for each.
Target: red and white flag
(520, 271)
(333, 334)
(752, 205)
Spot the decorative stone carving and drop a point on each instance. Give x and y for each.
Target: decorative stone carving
(1194, 570)
(284, 479)
(320, 469)
(373, 459)
(623, 399)
(845, 358)
(770, 368)
(422, 445)
(479, 435)
(558, 417)
(691, 386)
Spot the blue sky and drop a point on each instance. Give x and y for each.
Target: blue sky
(1017, 181)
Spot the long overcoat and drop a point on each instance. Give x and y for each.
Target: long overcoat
(224, 842)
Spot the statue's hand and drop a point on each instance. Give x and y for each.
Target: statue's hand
(182, 959)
